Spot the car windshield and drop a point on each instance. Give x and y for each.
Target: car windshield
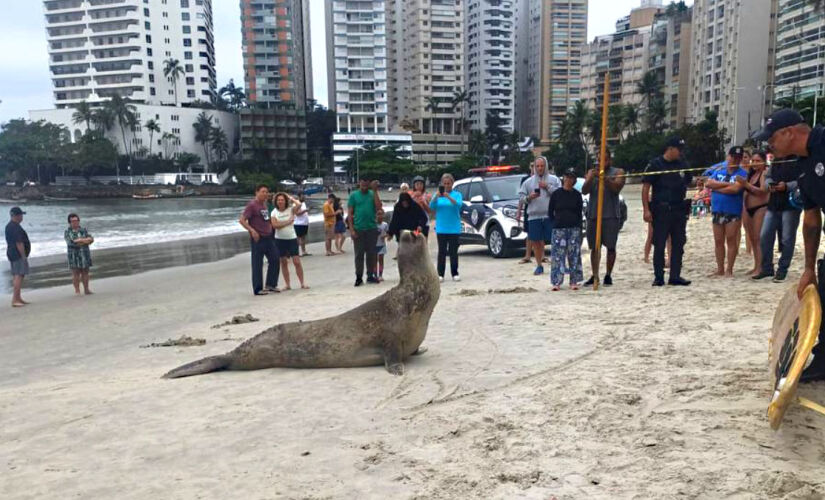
(504, 188)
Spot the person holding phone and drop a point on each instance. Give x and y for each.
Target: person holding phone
(447, 208)
(535, 193)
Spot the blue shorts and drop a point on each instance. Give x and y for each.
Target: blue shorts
(540, 229)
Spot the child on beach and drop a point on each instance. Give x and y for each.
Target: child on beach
(381, 245)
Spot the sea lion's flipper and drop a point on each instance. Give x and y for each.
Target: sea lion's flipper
(393, 360)
(205, 365)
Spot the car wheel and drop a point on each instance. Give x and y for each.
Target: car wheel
(496, 242)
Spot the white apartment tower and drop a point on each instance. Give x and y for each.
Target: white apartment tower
(800, 50)
(731, 67)
(490, 35)
(357, 64)
(99, 48)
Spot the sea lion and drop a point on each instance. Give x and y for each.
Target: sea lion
(386, 330)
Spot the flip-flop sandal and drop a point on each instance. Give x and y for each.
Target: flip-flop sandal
(524, 261)
(262, 292)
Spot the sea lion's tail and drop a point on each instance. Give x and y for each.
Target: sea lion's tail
(201, 366)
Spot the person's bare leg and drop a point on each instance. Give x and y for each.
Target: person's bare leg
(528, 252)
(758, 219)
(649, 243)
(733, 236)
(328, 245)
(84, 277)
(538, 250)
(285, 272)
(611, 261)
(719, 249)
(76, 281)
(17, 286)
(299, 270)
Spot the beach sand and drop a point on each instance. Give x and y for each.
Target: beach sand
(631, 392)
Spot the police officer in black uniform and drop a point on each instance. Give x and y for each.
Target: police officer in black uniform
(668, 209)
(789, 135)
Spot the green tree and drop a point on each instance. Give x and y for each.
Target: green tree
(234, 95)
(83, 114)
(432, 107)
(495, 136)
(173, 71)
(219, 143)
(203, 135)
(153, 127)
(477, 144)
(103, 119)
(28, 149)
(185, 161)
(124, 114)
(459, 101)
(381, 162)
(170, 142)
(320, 127)
(93, 154)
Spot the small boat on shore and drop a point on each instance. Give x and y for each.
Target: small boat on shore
(145, 196)
(58, 198)
(13, 201)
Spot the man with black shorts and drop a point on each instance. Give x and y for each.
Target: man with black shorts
(611, 216)
(667, 209)
(789, 135)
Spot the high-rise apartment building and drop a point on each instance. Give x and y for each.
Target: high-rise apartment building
(426, 69)
(100, 48)
(549, 37)
(800, 50)
(275, 44)
(623, 54)
(357, 77)
(490, 33)
(731, 66)
(669, 58)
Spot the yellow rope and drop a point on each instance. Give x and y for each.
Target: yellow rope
(682, 170)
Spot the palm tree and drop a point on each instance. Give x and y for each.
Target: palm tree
(83, 114)
(168, 139)
(103, 119)
(152, 126)
(219, 142)
(236, 95)
(203, 134)
(630, 119)
(125, 114)
(432, 107)
(649, 87)
(173, 70)
(460, 98)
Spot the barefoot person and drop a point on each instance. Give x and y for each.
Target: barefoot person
(757, 195)
(726, 206)
(667, 209)
(286, 238)
(340, 225)
(80, 257)
(255, 219)
(611, 216)
(789, 135)
(535, 193)
(381, 243)
(302, 224)
(565, 208)
(422, 198)
(18, 249)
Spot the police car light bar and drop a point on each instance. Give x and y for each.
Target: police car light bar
(494, 169)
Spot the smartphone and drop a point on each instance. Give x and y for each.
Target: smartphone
(441, 189)
(537, 191)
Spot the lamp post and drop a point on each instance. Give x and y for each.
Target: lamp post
(736, 112)
(764, 89)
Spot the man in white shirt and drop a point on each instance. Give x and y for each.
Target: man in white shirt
(535, 193)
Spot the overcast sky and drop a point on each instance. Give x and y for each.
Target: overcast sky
(25, 83)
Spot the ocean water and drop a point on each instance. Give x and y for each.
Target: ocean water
(125, 222)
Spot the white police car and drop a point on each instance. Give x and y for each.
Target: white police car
(490, 211)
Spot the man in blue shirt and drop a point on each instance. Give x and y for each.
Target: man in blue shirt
(726, 204)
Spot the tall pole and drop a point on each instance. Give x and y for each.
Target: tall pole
(602, 156)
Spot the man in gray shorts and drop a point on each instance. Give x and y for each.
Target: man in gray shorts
(18, 249)
(611, 216)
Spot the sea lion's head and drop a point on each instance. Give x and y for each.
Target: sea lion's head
(413, 257)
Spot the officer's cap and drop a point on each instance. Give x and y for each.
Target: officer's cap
(781, 119)
(675, 141)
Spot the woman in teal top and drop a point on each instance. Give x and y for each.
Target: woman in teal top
(80, 257)
(446, 204)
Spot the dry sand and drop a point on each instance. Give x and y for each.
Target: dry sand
(631, 392)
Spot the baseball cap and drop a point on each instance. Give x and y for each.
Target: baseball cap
(16, 211)
(569, 173)
(781, 119)
(737, 151)
(675, 141)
